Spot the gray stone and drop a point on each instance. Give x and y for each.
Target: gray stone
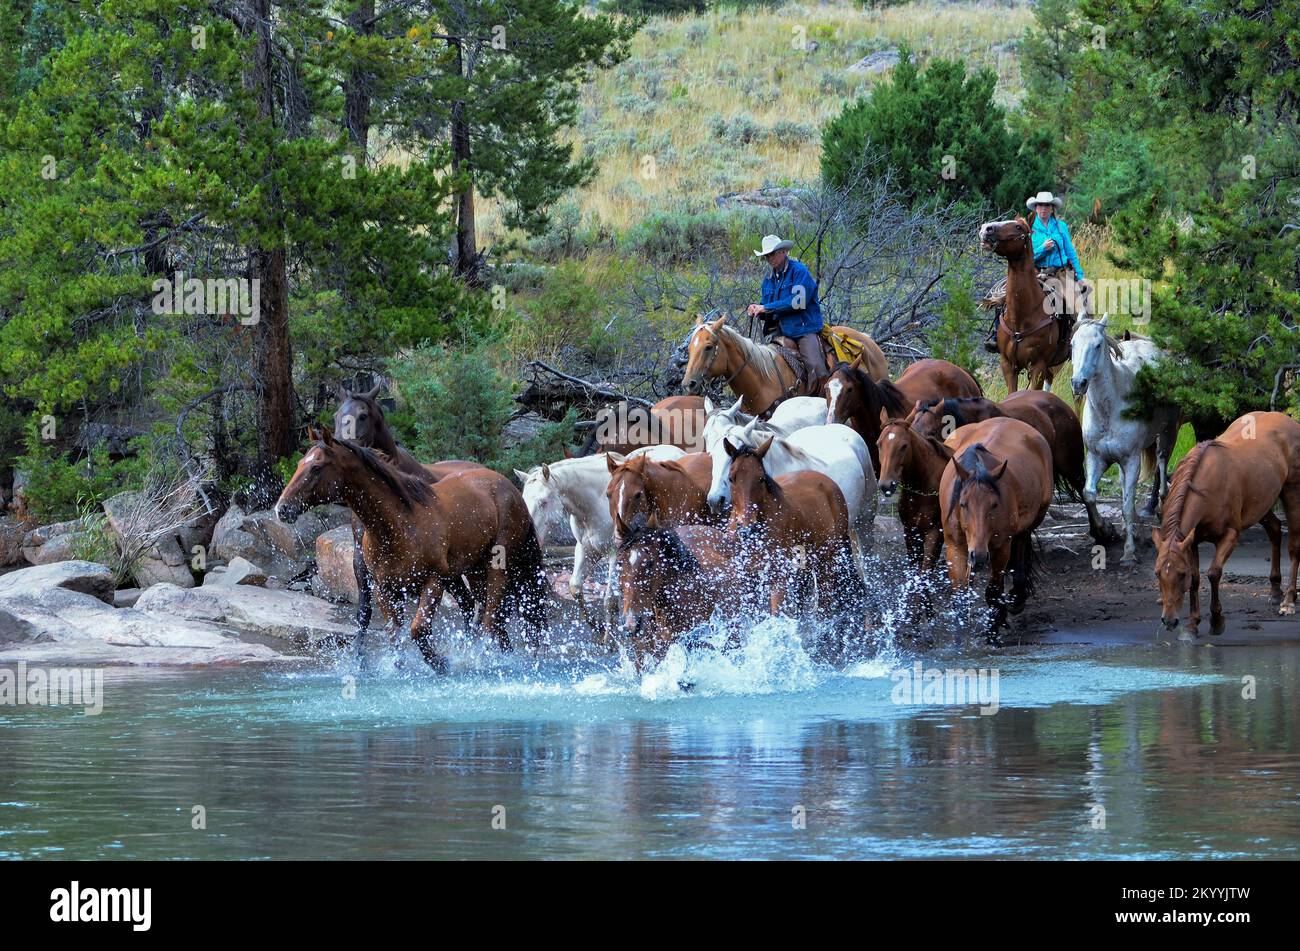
(11, 542)
(282, 550)
(84, 577)
(54, 542)
(879, 62)
(166, 561)
(335, 577)
(13, 629)
(126, 597)
(239, 571)
(287, 615)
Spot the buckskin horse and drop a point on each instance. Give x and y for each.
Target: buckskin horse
(1221, 487)
(761, 375)
(1030, 336)
(421, 537)
(862, 403)
(994, 492)
(360, 418)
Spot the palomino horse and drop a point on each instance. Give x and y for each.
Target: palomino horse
(575, 488)
(802, 520)
(669, 493)
(1221, 487)
(421, 537)
(760, 375)
(835, 451)
(1104, 375)
(360, 418)
(862, 403)
(625, 427)
(912, 463)
(994, 493)
(1042, 409)
(1029, 334)
(672, 582)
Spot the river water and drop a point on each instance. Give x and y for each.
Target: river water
(1123, 751)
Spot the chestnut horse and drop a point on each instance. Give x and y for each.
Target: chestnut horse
(625, 427)
(802, 518)
(671, 493)
(1042, 409)
(912, 463)
(860, 402)
(420, 537)
(761, 375)
(672, 581)
(1029, 335)
(1221, 487)
(994, 493)
(360, 418)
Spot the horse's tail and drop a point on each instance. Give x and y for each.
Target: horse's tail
(1148, 463)
(528, 586)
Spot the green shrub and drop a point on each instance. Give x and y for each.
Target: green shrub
(61, 488)
(1115, 173)
(954, 337)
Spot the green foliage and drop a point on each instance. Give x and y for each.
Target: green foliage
(649, 8)
(1112, 179)
(62, 488)
(954, 337)
(942, 135)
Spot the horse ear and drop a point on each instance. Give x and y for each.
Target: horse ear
(612, 462)
(999, 471)
(699, 319)
(521, 475)
(568, 453)
(341, 392)
(326, 435)
(962, 472)
(1104, 319)
(717, 324)
(708, 406)
(546, 472)
(916, 411)
(761, 451)
(373, 391)
(313, 435)
(1157, 535)
(652, 520)
(732, 451)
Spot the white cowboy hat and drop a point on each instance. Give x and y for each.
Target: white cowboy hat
(772, 243)
(1043, 198)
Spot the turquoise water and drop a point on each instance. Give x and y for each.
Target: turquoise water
(582, 759)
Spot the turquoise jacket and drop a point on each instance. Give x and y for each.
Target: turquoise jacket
(1062, 253)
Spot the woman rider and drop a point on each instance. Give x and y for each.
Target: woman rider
(790, 298)
(1054, 257)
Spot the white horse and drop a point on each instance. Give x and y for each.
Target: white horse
(1104, 372)
(576, 488)
(834, 450)
(790, 415)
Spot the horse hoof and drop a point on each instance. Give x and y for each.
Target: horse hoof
(1286, 608)
(1128, 561)
(1217, 625)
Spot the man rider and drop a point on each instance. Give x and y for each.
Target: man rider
(790, 302)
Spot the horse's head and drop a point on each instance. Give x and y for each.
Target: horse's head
(984, 515)
(751, 486)
(359, 416)
(1174, 554)
(1006, 239)
(931, 418)
(1088, 348)
(707, 355)
(896, 447)
(630, 503)
(542, 497)
(846, 393)
(319, 478)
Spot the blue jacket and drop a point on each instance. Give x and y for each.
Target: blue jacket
(1062, 254)
(791, 297)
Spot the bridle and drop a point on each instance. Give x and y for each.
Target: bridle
(714, 359)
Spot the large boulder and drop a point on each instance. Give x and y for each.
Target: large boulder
(84, 577)
(16, 630)
(881, 61)
(166, 561)
(239, 571)
(285, 615)
(260, 537)
(56, 542)
(11, 542)
(335, 578)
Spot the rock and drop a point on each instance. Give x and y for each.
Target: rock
(126, 597)
(51, 543)
(18, 501)
(286, 615)
(13, 629)
(84, 577)
(166, 561)
(879, 62)
(772, 197)
(239, 571)
(11, 542)
(282, 550)
(335, 578)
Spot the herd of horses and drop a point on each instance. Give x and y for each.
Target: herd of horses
(770, 503)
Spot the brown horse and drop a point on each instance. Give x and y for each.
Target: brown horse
(1030, 337)
(862, 403)
(360, 418)
(1221, 487)
(803, 519)
(671, 493)
(626, 427)
(1042, 409)
(672, 581)
(760, 375)
(994, 493)
(912, 463)
(420, 537)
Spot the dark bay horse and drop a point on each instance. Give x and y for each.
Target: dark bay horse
(672, 493)
(672, 581)
(994, 493)
(912, 464)
(1221, 487)
(421, 538)
(625, 427)
(1030, 337)
(861, 403)
(360, 418)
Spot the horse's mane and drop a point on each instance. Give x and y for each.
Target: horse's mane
(768, 482)
(674, 550)
(973, 462)
(762, 357)
(952, 406)
(883, 395)
(1180, 486)
(409, 489)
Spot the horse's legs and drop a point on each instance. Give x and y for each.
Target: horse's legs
(364, 595)
(1093, 469)
(575, 582)
(1010, 375)
(495, 582)
(1222, 549)
(1291, 505)
(1130, 468)
(998, 559)
(606, 635)
(1273, 528)
(1019, 570)
(421, 625)
(464, 599)
(1194, 589)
